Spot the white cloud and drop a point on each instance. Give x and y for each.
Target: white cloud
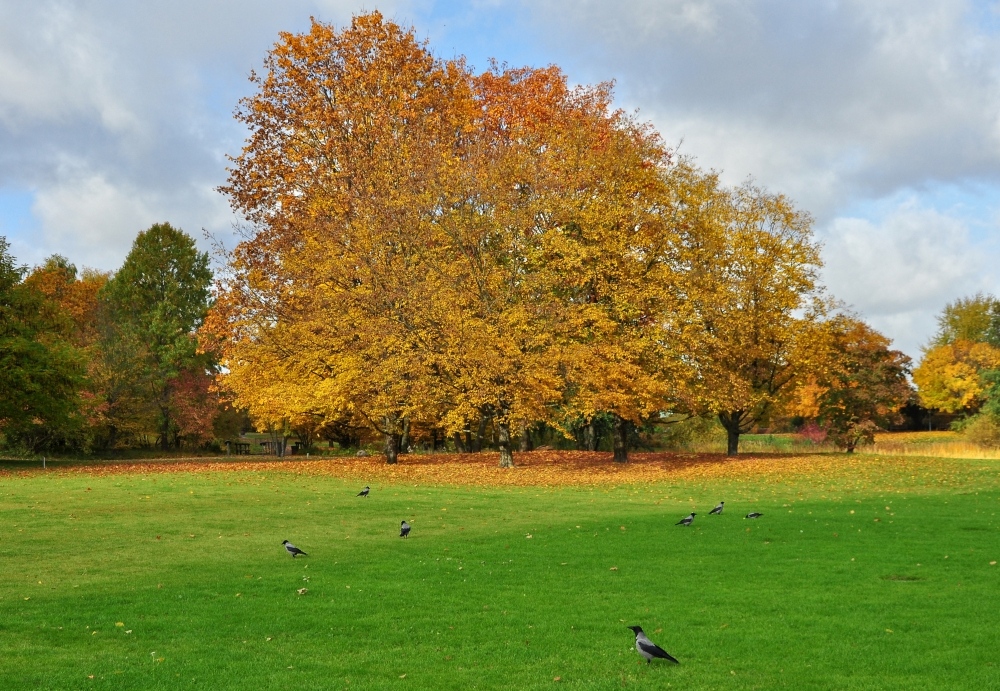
(117, 115)
(822, 100)
(93, 219)
(53, 68)
(899, 271)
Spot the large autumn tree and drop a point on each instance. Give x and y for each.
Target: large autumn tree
(758, 300)
(340, 180)
(154, 305)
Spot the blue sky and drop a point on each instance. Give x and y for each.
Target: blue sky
(880, 117)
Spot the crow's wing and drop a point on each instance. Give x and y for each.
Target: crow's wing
(651, 648)
(717, 509)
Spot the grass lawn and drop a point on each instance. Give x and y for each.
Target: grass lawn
(853, 579)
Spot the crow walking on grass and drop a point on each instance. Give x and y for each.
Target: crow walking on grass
(754, 514)
(365, 491)
(648, 649)
(292, 549)
(718, 509)
(687, 520)
(404, 529)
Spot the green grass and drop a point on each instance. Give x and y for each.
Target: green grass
(820, 593)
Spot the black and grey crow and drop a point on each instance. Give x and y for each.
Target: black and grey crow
(365, 491)
(404, 529)
(292, 549)
(755, 514)
(648, 649)
(687, 520)
(718, 509)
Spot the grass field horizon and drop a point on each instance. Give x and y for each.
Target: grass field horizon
(864, 572)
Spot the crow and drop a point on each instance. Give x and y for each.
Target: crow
(648, 649)
(365, 491)
(404, 529)
(292, 549)
(755, 514)
(718, 509)
(688, 520)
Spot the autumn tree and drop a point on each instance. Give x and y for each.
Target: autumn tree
(618, 258)
(41, 372)
(757, 278)
(331, 289)
(154, 305)
(74, 292)
(950, 377)
(858, 385)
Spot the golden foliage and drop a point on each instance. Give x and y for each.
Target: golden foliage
(949, 376)
(432, 250)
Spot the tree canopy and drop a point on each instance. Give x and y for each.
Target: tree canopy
(432, 250)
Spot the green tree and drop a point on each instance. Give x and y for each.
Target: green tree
(158, 299)
(975, 319)
(40, 371)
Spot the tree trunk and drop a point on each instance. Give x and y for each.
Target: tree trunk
(392, 447)
(477, 443)
(524, 443)
(620, 435)
(506, 457)
(590, 436)
(459, 444)
(165, 432)
(404, 440)
(731, 422)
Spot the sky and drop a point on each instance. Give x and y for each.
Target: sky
(881, 118)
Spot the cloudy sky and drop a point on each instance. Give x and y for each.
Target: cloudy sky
(880, 117)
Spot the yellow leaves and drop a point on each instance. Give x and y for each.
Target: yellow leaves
(948, 378)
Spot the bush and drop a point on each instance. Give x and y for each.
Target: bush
(983, 430)
(813, 432)
(691, 434)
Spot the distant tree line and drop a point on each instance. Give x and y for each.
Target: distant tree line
(93, 361)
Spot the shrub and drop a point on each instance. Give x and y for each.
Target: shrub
(983, 430)
(813, 432)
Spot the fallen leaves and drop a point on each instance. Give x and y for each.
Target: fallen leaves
(582, 468)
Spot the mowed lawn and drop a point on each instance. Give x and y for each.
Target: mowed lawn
(166, 580)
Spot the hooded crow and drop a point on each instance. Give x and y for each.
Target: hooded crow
(292, 549)
(648, 649)
(687, 520)
(404, 529)
(755, 514)
(718, 509)
(365, 491)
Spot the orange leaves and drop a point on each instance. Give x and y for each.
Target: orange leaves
(557, 469)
